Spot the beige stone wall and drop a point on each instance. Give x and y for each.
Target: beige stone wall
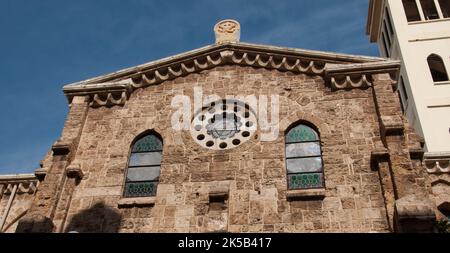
(441, 193)
(254, 173)
(21, 202)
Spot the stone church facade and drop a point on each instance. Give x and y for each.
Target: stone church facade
(343, 158)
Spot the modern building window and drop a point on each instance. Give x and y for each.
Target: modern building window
(304, 161)
(437, 68)
(389, 22)
(144, 166)
(445, 8)
(387, 33)
(429, 9)
(411, 10)
(403, 95)
(385, 44)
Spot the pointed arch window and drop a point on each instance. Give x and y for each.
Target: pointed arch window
(437, 68)
(144, 167)
(304, 161)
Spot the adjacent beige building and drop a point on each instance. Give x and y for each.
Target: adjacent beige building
(417, 32)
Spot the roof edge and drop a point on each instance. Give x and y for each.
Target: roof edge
(372, 67)
(17, 177)
(270, 50)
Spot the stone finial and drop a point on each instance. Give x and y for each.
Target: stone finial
(227, 31)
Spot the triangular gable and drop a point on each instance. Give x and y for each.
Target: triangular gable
(114, 88)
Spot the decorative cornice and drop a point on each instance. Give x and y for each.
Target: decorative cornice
(26, 183)
(359, 76)
(348, 83)
(110, 100)
(437, 163)
(114, 89)
(16, 178)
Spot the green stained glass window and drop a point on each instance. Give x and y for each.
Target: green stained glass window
(301, 133)
(144, 167)
(148, 143)
(304, 161)
(305, 181)
(140, 189)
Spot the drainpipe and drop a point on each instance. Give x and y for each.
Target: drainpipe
(8, 207)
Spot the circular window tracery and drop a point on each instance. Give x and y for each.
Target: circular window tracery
(224, 125)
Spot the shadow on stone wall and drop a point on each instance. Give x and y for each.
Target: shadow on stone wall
(35, 224)
(98, 219)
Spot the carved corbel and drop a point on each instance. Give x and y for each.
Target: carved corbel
(416, 153)
(379, 155)
(74, 171)
(41, 173)
(61, 148)
(392, 125)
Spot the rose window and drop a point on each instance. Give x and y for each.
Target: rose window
(224, 125)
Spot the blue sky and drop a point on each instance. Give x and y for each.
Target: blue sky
(46, 44)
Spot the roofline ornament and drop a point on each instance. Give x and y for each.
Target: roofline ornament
(228, 30)
(115, 89)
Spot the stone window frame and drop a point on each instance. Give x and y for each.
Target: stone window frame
(144, 200)
(306, 192)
